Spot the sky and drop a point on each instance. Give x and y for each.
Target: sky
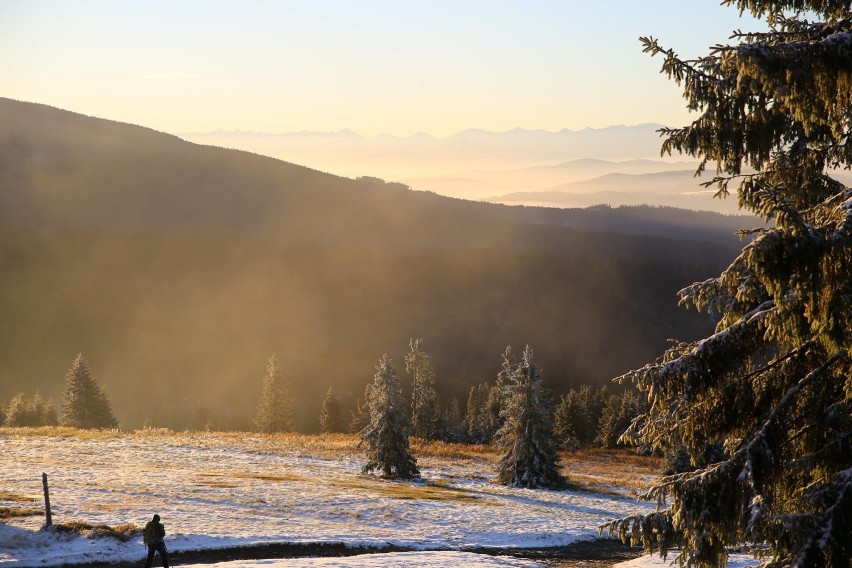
(372, 66)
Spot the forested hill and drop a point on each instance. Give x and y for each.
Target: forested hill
(178, 268)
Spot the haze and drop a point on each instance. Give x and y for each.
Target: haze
(179, 268)
(394, 90)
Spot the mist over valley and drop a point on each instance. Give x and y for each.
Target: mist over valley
(177, 269)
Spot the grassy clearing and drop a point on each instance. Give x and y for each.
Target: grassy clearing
(121, 533)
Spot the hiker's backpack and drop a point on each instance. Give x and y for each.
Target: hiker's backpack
(149, 535)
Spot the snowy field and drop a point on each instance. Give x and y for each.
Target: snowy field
(444, 559)
(219, 491)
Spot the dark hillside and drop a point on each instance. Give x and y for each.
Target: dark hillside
(177, 269)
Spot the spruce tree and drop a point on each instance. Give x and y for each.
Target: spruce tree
(773, 383)
(275, 409)
(425, 416)
(617, 417)
(330, 413)
(385, 435)
(16, 414)
(489, 416)
(85, 404)
(571, 420)
(526, 438)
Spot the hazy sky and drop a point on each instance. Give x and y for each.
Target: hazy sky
(371, 66)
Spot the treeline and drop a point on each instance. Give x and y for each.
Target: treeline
(581, 418)
(84, 404)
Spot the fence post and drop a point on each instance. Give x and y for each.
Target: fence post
(48, 517)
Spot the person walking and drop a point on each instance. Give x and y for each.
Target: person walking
(153, 536)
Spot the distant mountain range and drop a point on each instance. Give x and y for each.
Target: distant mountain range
(676, 188)
(422, 160)
(618, 165)
(179, 268)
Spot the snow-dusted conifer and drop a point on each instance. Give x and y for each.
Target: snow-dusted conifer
(385, 435)
(571, 421)
(330, 413)
(16, 414)
(489, 415)
(275, 409)
(425, 412)
(618, 415)
(85, 404)
(526, 438)
(773, 383)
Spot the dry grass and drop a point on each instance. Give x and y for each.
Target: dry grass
(598, 469)
(121, 533)
(429, 490)
(217, 483)
(63, 432)
(443, 450)
(15, 498)
(18, 512)
(269, 477)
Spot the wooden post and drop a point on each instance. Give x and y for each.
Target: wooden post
(48, 517)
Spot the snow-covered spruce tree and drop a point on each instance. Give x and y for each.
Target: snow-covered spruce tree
(85, 405)
(425, 411)
(330, 413)
(275, 409)
(385, 435)
(526, 438)
(773, 384)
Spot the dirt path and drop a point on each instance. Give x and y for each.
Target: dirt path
(592, 554)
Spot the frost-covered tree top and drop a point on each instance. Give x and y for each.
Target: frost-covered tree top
(773, 384)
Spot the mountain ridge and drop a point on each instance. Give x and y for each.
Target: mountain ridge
(177, 269)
